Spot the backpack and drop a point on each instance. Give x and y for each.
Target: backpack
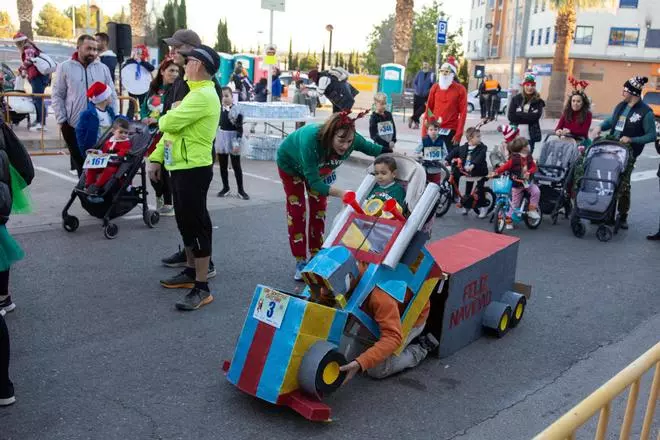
(44, 64)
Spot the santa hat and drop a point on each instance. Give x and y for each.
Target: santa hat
(98, 92)
(20, 36)
(635, 85)
(451, 65)
(510, 132)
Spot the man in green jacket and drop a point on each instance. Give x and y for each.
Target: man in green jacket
(185, 151)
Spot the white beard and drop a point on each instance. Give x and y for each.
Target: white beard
(445, 81)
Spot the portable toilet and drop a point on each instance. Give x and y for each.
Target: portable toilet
(248, 64)
(260, 69)
(391, 80)
(226, 68)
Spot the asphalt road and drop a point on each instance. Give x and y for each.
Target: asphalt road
(99, 352)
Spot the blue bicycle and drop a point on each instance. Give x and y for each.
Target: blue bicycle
(502, 188)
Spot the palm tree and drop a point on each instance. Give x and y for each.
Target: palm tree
(565, 28)
(403, 30)
(24, 8)
(138, 19)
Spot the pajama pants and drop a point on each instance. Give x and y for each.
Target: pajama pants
(100, 176)
(296, 210)
(517, 196)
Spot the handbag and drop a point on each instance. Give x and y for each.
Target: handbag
(44, 64)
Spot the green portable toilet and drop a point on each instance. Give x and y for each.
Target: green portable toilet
(226, 68)
(391, 80)
(248, 64)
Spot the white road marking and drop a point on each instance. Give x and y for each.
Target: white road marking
(57, 174)
(644, 175)
(256, 176)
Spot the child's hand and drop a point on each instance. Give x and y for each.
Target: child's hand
(492, 174)
(526, 176)
(392, 145)
(351, 369)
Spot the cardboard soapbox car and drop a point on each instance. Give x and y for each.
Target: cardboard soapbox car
(292, 345)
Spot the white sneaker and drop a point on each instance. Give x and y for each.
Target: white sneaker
(166, 211)
(73, 172)
(534, 215)
(160, 202)
(509, 226)
(483, 212)
(465, 211)
(35, 127)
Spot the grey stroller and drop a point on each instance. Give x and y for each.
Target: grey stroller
(554, 175)
(597, 190)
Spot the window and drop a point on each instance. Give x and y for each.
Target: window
(531, 40)
(624, 37)
(584, 34)
(653, 38)
(555, 40)
(470, 24)
(547, 36)
(472, 4)
(543, 5)
(469, 44)
(536, 6)
(540, 37)
(628, 3)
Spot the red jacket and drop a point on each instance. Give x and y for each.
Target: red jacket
(517, 165)
(451, 106)
(577, 129)
(29, 51)
(120, 148)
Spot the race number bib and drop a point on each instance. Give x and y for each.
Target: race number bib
(444, 131)
(168, 153)
(330, 179)
(385, 128)
(620, 124)
(433, 153)
(96, 161)
(271, 307)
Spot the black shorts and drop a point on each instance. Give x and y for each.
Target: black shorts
(190, 188)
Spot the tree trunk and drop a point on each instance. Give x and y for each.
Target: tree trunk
(138, 20)
(24, 8)
(403, 30)
(566, 18)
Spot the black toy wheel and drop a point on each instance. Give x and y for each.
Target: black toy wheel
(319, 373)
(499, 219)
(111, 231)
(497, 318)
(533, 223)
(151, 218)
(70, 223)
(445, 200)
(488, 202)
(603, 233)
(578, 228)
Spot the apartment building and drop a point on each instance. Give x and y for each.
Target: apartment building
(610, 45)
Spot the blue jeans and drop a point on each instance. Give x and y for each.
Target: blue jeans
(39, 84)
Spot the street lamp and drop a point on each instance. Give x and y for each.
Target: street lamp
(330, 28)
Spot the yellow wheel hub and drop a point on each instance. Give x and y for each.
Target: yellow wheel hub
(519, 311)
(331, 373)
(504, 322)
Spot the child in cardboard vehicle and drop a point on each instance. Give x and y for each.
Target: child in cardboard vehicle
(366, 301)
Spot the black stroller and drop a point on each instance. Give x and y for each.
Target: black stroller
(555, 175)
(119, 195)
(598, 189)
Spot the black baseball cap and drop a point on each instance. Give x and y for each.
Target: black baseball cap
(183, 36)
(207, 56)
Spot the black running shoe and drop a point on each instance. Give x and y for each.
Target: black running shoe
(224, 192)
(7, 394)
(7, 305)
(178, 259)
(183, 280)
(195, 299)
(243, 195)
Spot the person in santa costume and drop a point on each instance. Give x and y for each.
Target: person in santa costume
(97, 118)
(119, 144)
(447, 104)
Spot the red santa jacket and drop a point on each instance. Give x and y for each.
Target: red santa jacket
(451, 106)
(120, 148)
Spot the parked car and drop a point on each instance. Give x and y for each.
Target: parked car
(473, 101)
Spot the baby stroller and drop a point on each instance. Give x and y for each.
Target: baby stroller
(19, 107)
(554, 175)
(597, 190)
(118, 195)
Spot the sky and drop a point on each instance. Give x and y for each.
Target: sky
(304, 21)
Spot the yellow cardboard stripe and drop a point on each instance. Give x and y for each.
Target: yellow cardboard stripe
(414, 310)
(315, 326)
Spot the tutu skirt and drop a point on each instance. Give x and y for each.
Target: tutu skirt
(10, 250)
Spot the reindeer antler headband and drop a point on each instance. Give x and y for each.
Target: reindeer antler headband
(345, 119)
(578, 86)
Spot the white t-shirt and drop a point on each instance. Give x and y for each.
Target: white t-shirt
(105, 121)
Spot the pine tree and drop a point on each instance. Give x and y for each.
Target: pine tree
(290, 57)
(351, 66)
(323, 58)
(223, 43)
(181, 16)
(337, 59)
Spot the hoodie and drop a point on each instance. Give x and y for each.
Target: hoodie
(109, 58)
(69, 95)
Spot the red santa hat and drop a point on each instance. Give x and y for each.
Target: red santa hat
(98, 92)
(20, 36)
(510, 132)
(451, 65)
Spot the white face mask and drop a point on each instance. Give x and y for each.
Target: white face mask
(444, 81)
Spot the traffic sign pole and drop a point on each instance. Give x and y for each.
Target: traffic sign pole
(441, 40)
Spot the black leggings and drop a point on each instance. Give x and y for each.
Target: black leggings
(69, 136)
(223, 159)
(190, 189)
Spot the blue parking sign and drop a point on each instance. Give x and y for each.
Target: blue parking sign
(442, 32)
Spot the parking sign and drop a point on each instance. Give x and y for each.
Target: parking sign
(442, 32)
